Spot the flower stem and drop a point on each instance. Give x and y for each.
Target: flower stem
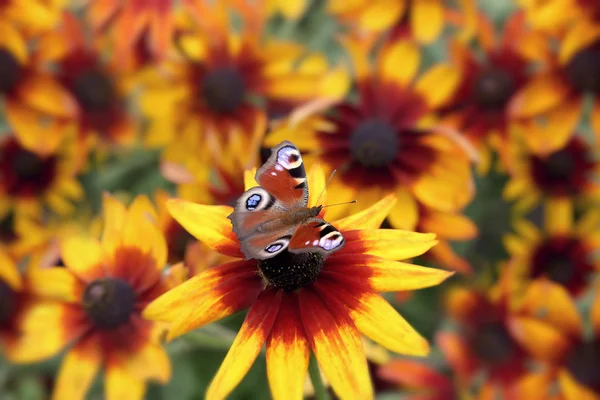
(315, 376)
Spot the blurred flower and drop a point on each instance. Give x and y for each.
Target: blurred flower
(386, 142)
(551, 328)
(424, 18)
(21, 235)
(29, 182)
(482, 341)
(564, 251)
(292, 9)
(491, 75)
(32, 16)
(149, 24)
(322, 309)
(96, 303)
(225, 79)
(568, 174)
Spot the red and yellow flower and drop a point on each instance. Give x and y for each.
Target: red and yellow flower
(324, 309)
(30, 182)
(567, 174)
(95, 302)
(564, 251)
(387, 141)
(224, 80)
(550, 326)
(31, 16)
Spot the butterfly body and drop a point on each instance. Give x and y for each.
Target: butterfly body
(274, 217)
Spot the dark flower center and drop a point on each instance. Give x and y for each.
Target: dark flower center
(109, 302)
(10, 71)
(290, 271)
(493, 89)
(561, 259)
(7, 228)
(493, 344)
(374, 143)
(582, 70)
(583, 361)
(8, 303)
(94, 90)
(27, 166)
(223, 90)
(592, 8)
(24, 173)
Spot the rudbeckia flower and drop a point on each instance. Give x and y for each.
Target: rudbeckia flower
(425, 18)
(550, 326)
(490, 78)
(225, 79)
(95, 302)
(552, 102)
(32, 16)
(322, 309)
(563, 251)
(22, 235)
(385, 141)
(566, 174)
(29, 182)
(482, 340)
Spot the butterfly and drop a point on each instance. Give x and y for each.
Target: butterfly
(274, 217)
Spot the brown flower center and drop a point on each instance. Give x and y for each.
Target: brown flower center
(290, 271)
(7, 228)
(592, 8)
(493, 344)
(109, 302)
(563, 260)
(583, 361)
(8, 303)
(24, 173)
(493, 89)
(10, 71)
(374, 143)
(582, 70)
(94, 90)
(223, 90)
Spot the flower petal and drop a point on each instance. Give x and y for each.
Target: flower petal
(400, 62)
(543, 92)
(54, 283)
(448, 225)
(120, 384)
(375, 318)
(288, 351)
(43, 93)
(573, 390)
(209, 224)
(414, 374)
(337, 346)
(114, 217)
(83, 256)
(369, 218)
(247, 345)
(405, 213)
(438, 84)
(151, 362)
(79, 369)
(543, 341)
(388, 243)
(9, 272)
(427, 19)
(456, 351)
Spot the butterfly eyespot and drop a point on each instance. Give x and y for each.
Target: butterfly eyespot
(331, 241)
(253, 201)
(256, 199)
(274, 248)
(289, 158)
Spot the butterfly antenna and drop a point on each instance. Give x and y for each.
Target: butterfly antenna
(339, 204)
(325, 187)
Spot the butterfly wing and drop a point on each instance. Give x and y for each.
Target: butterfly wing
(316, 236)
(284, 176)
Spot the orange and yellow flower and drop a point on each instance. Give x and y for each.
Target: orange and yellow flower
(568, 174)
(387, 141)
(32, 16)
(94, 303)
(30, 182)
(324, 309)
(550, 326)
(564, 251)
(224, 80)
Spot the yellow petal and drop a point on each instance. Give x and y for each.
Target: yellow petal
(579, 36)
(388, 243)
(448, 225)
(9, 272)
(543, 341)
(114, 218)
(438, 84)
(141, 230)
(400, 62)
(83, 256)
(44, 94)
(405, 213)
(120, 384)
(246, 346)
(572, 389)
(542, 93)
(54, 283)
(558, 216)
(79, 369)
(394, 276)
(369, 218)
(151, 362)
(427, 19)
(381, 14)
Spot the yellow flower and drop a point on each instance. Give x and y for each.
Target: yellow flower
(225, 79)
(32, 16)
(563, 251)
(324, 308)
(95, 303)
(386, 141)
(29, 181)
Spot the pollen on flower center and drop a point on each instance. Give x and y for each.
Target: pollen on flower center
(223, 90)
(290, 271)
(7, 303)
(493, 344)
(109, 302)
(582, 70)
(10, 71)
(493, 89)
(582, 362)
(94, 90)
(374, 143)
